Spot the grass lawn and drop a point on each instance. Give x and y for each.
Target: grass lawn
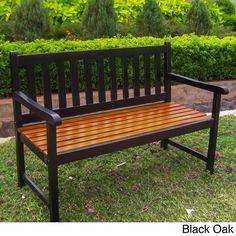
(158, 187)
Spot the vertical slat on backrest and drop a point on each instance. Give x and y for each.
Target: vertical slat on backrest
(74, 83)
(101, 85)
(31, 82)
(167, 69)
(125, 77)
(46, 86)
(157, 72)
(61, 84)
(88, 81)
(147, 74)
(14, 71)
(136, 76)
(113, 78)
(15, 87)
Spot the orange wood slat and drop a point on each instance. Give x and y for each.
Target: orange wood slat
(37, 129)
(138, 126)
(123, 135)
(100, 116)
(75, 128)
(85, 130)
(109, 126)
(108, 114)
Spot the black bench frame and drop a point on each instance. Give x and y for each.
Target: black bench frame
(53, 117)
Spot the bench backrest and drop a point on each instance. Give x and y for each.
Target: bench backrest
(126, 70)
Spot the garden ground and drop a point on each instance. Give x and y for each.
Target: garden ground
(151, 185)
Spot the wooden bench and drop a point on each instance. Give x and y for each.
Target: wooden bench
(59, 135)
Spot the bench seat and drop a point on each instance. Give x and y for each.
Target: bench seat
(98, 128)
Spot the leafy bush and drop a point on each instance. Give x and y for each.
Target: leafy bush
(67, 31)
(70, 11)
(198, 19)
(221, 30)
(7, 30)
(150, 21)
(99, 19)
(65, 11)
(31, 20)
(175, 27)
(203, 58)
(227, 6)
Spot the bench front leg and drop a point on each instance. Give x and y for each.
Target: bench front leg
(20, 161)
(213, 133)
(20, 155)
(52, 173)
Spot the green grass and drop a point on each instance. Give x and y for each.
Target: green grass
(157, 188)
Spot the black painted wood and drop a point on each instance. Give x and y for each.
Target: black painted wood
(147, 74)
(167, 70)
(85, 109)
(91, 54)
(125, 77)
(101, 84)
(136, 76)
(113, 78)
(75, 83)
(198, 84)
(157, 72)
(61, 84)
(31, 82)
(88, 81)
(47, 94)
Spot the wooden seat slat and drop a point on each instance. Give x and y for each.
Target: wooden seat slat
(83, 131)
(125, 135)
(88, 130)
(88, 123)
(100, 116)
(137, 126)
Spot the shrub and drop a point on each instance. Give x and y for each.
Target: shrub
(31, 20)
(221, 30)
(227, 6)
(67, 31)
(150, 21)
(198, 19)
(7, 29)
(175, 27)
(203, 58)
(99, 19)
(230, 20)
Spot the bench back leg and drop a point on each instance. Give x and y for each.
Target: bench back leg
(164, 144)
(53, 192)
(213, 133)
(20, 160)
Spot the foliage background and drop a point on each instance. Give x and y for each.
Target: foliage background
(203, 58)
(127, 10)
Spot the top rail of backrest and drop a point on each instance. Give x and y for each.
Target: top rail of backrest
(31, 59)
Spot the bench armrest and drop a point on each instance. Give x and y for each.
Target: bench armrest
(49, 116)
(198, 84)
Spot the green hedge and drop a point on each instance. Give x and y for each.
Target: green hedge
(204, 58)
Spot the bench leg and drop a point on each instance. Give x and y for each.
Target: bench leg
(53, 192)
(20, 160)
(213, 133)
(164, 144)
(211, 150)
